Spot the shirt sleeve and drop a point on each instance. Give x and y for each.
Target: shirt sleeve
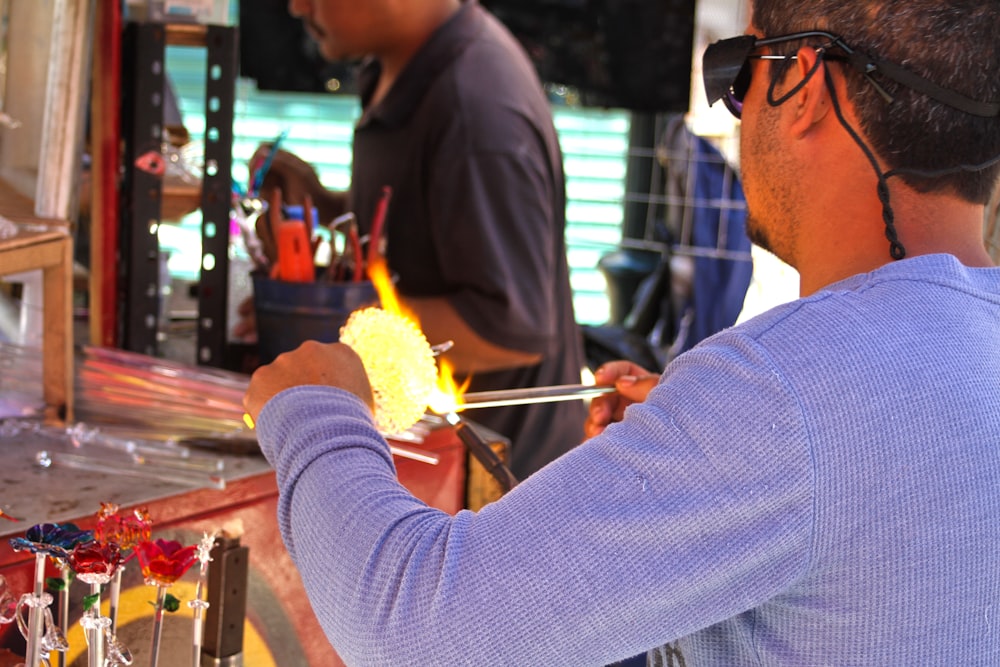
(696, 507)
(496, 218)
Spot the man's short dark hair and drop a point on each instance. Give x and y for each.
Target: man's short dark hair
(953, 43)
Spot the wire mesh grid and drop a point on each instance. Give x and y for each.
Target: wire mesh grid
(690, 177)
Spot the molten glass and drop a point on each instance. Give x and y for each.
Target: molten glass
(399, 362)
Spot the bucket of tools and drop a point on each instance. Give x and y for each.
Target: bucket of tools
(290, 313)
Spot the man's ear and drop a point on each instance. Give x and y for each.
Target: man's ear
(812, 101)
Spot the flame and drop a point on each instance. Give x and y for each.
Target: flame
(448, 395)
(378, 272)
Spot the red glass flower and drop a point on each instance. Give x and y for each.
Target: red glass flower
(95, 562)
(164, 561)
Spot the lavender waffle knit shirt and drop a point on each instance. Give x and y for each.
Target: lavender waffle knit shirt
(817, 486)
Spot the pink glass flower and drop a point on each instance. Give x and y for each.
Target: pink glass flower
(95, 562)
(164, 561)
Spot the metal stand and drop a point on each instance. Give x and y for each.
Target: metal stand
(227, 598)
(142, 191)
(220, 97)
(142, 129)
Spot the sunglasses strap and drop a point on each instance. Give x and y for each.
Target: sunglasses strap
(869, 66)
(787, 96)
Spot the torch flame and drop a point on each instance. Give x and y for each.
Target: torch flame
(378, 272)
(448, 395)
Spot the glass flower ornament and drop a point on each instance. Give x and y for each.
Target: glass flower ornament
(124, 531)
(164, 561)
(56, 541)
(95, 562)
(127, 531)
(53, 539)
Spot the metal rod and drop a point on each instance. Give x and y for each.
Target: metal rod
(561, 392)
(414, 453)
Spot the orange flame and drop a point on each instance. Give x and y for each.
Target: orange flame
(448, 396)
(378, 271)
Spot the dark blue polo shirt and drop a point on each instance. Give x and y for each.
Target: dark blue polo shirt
(465, 139)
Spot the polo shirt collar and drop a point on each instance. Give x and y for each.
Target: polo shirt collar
(443, 47)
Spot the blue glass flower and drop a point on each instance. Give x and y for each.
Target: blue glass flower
(54, 539)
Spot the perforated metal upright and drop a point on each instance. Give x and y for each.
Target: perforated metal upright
(142, 134)
(143, 50)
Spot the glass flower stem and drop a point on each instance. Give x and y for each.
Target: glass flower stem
(114, 594)
(154, 651)
(36, 618)
(95, 648)
(198, 606)
(63, 610)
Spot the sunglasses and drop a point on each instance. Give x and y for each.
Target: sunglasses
(726, 65)
(727, 73)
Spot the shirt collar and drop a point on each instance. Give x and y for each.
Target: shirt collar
(443, 47)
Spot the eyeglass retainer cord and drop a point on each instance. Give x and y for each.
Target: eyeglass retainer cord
(896, 249)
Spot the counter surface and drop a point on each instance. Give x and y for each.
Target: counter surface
(280, 628)
(58, 494)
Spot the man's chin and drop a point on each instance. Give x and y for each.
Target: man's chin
(757, 235)
(334, 54)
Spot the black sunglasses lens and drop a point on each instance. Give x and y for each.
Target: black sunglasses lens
(742, 82)
(734, 105)
(733, 99)
(726, 73)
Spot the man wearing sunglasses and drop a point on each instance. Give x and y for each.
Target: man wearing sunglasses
(816, 486)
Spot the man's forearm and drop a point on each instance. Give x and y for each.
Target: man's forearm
(471, 353)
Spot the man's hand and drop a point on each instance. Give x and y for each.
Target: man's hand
(297, 179)
(313, 363)
(632, 382)
(245, 329)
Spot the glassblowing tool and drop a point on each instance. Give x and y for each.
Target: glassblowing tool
(481, 449)
(560, 392)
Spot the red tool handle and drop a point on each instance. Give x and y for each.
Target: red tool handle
(352, 237)
(295, 253)
(378, 224)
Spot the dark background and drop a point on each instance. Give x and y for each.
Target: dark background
(630, 54)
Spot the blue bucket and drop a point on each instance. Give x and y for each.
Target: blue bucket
(288, 314)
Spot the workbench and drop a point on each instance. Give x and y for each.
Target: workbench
(279, 627)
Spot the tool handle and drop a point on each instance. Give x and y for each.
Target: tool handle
(378, 224)
(295, 253)
(481, 449)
